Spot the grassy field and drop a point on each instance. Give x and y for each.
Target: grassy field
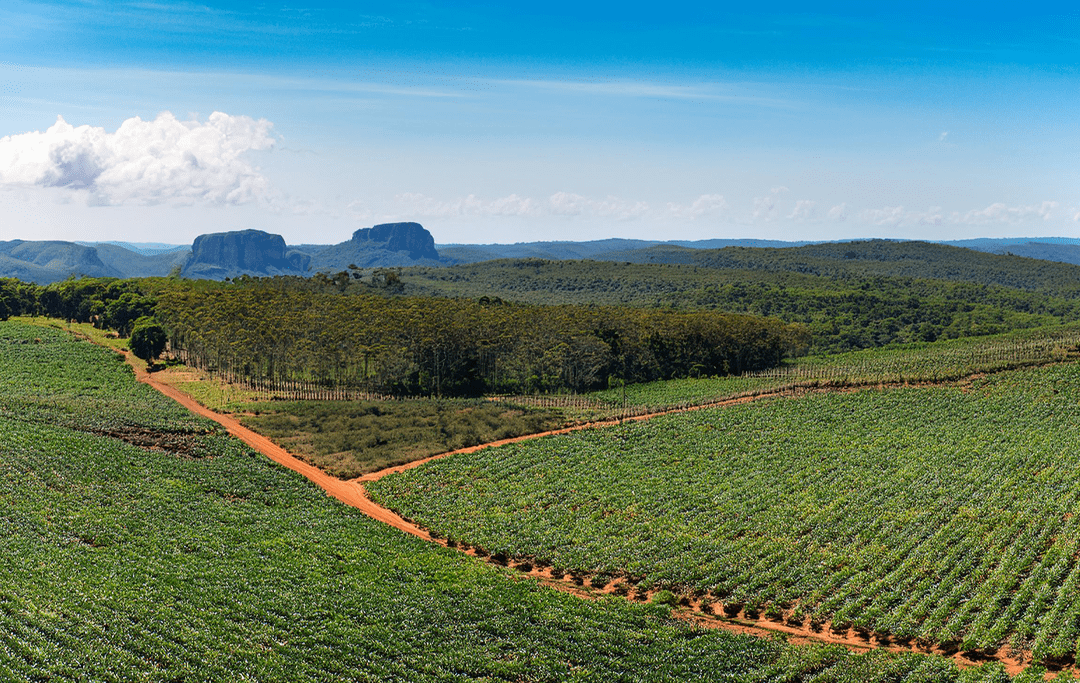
(124, 563)
(350, 438)
(942, 514)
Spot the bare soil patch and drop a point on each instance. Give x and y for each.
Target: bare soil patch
(179, 443)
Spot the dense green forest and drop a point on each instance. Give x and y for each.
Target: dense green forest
(881, 258)
(265, 331)
(865, 295)
(270, 332)
(109, 302)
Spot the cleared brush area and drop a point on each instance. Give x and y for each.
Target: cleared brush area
(349, 438)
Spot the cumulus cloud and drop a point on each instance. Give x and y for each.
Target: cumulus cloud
(511, 205)
(705, 205)
(568, 204)
(805, 210)
(1003, 213)
(997, 212)
(767, 208)
(838, 213)
(890, 215)
(145, 162)
(559, 204)
(932, 216)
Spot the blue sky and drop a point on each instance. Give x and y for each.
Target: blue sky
(490, 122)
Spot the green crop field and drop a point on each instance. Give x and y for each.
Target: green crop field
(123, 563)
(46, 376)
(940, 361)
(942, 514)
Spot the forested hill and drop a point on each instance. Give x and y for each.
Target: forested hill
(883, 258)
(854, 295)
(613, 249)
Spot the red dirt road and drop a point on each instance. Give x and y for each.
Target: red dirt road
(348, 492)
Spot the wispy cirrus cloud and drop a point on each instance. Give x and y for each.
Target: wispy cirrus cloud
(740, 94)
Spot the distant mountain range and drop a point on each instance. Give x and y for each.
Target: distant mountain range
(254, 252)
(216, 256)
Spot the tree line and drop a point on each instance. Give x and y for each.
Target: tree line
(276, 332)
(110, 303)
(269, 332)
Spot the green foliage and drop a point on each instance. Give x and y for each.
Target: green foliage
(122, 313)
(665, 597)
(17, 298)
(945, 514)
(943, 360)
(119, 563)
(148, 339)
(845, 303)
(347, 439)
(47, 375)
(268, 333)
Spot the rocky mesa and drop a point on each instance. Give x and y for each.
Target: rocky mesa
(252, 252)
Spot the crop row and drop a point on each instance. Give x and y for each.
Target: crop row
(48, 375)
(924, 362)
(936, 514)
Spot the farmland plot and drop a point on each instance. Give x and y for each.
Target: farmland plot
(128, 563)
(943, 514)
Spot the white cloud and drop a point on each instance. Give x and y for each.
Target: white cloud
(559, 204)
(767, 208)
(143, 162)
(511, 205)
(994, 213)
(705, 205)
(838, 213)
(568, 204)
(932, 216)
(944, 136)
(890, 215)
(805, 210)
(1003, 213)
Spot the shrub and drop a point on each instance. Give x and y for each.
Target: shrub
(147, 339)
(665, 597)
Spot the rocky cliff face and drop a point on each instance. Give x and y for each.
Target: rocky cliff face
(408, 237)
(253, 252)
(386, 245)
